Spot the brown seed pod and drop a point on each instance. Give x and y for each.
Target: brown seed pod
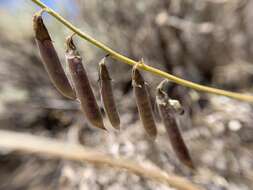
(168, 110)
(50, 58)
(82, 86)
(107, 95)
(143, 103)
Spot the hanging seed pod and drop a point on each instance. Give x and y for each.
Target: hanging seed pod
(168, 110)
(50, 58)
(143, 103)
(107, 95)
(82, 86)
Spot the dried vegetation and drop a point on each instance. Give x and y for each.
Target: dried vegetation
(204, 41)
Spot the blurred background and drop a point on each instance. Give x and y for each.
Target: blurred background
(205, 41)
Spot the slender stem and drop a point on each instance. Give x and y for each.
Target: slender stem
(32, 144)
(144, 67)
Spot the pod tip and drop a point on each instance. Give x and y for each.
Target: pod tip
(71, 49)
(41, 32)
(116, 126)
(152, 137)
(70, 43)
(102, 127)
(137, 79)
(103, 71)
(190, 164)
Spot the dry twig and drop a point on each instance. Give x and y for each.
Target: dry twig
(27, 143)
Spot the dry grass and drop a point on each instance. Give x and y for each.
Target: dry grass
(44, 146)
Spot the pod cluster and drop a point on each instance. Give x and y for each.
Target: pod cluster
(76, 85)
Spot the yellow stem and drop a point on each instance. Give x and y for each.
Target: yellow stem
(144, 67)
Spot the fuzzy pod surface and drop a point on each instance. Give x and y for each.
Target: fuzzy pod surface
(143, 102)
(50, 58)
(82, 86)
(168, 115)
(107, 95)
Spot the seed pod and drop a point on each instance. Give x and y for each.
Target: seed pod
(107, 95)
(168, 114)
(82, 86)
(50, 58)
(143, 103)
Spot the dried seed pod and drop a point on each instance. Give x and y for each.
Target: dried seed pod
(143, 103)
(82, 86)
(50, 58)
(168, 113)
(107, 95)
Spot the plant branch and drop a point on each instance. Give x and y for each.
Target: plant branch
(144, 67)
(31, 144)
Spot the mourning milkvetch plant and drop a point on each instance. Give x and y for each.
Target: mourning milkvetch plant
(152, 70)
(78, 86)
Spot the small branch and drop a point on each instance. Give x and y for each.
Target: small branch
(144, 67)
(31, 144)
(219, 1)
(163, 19)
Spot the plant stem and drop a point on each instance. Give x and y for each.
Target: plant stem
(144, 67)
(32, 144)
